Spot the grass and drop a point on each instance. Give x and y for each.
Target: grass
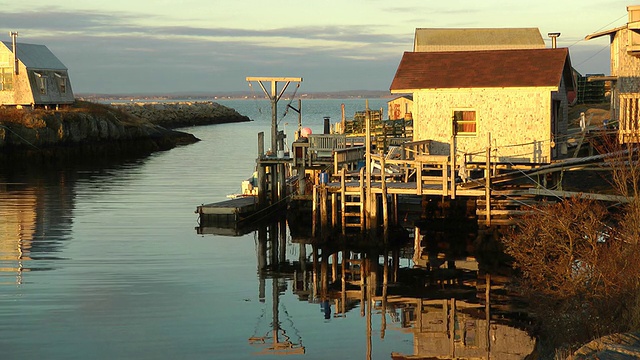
(29, 117)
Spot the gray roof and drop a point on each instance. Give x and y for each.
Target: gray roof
(479, 38)
(36, 56)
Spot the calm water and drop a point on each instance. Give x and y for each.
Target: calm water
(106, 263)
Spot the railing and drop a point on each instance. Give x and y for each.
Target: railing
(629, 127)
(348, 157)
(412, 149)
(323, 145)
(428, 169)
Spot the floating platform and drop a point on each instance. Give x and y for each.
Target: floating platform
(229, 212)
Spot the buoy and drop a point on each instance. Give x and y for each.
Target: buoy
(304, 132)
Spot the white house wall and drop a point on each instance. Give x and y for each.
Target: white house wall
(513, 116)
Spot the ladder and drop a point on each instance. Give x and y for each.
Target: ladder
(352, 204)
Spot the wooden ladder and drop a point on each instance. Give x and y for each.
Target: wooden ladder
(352, 204)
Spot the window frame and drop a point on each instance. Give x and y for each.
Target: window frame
(62, 83)
(458, 124)
(6, 79)
(42, 82)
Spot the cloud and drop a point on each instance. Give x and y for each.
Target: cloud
(117, 53)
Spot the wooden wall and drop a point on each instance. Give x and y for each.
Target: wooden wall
(399, 108)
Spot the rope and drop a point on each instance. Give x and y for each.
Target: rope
(25, 140)
(290, 101)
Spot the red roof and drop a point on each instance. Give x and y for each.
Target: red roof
(474, 69)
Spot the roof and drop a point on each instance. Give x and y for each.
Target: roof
(428, 39)
(475, 69)
(605, 32)
(405, 96)
(36, 56)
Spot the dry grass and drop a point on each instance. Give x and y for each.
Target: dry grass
(28, 117)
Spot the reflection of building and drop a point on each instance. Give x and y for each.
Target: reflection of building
(35, 218)
(17, 229)
(442, 303)
(272, 263)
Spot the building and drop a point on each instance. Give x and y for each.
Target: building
(625, 75)
(475, 39)
(32, 75)
(400, 108)
(517, 98)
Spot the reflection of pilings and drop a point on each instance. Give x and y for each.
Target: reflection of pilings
(385, 279)
(315, 270)
(345, 255)
(273, 236)
(324, 274)
(417, 247)
(369, 299)
(283, 240)
(275, 294)
(262, 261)
(487, 311)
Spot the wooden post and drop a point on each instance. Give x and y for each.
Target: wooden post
(444, 178)
(487, 183)
(274, 96)
(419, 177)
(343, 120)
(260, 144)
(396, 220)
(343, 201)
(452, 156)
(323, 209)
(334, 210)
(314, 211)
(362, 201)
(369, 201)
(385, 208)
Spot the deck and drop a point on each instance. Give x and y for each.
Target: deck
(229, 212)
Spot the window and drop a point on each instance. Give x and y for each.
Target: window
(62, 83)
(42, 82)
(6, 79)
(464, 122)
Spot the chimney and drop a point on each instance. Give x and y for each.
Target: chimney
(14, 37)
(553, 37)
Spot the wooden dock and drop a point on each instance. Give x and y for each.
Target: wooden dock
(230, 212)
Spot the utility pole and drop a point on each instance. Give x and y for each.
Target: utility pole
(274, 96)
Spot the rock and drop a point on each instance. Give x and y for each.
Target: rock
(80, 132)
(181, 114)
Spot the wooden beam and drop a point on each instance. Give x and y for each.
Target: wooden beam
(602, 197)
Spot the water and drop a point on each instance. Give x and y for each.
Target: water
(105, 263)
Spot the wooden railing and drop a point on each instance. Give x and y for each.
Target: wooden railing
(629, 126)
(323, 145)
(347, 158)
(428, 169)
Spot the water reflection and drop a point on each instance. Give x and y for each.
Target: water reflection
(36, 219)
(443, 303)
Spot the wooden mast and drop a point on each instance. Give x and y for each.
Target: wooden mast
(274, 96)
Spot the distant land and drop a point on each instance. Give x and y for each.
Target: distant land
(200, 96)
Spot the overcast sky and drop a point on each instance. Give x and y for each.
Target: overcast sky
(165, 46)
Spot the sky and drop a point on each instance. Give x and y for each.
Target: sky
(181, 46)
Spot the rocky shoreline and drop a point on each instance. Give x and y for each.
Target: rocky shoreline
(182, 114)
(89, 131)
